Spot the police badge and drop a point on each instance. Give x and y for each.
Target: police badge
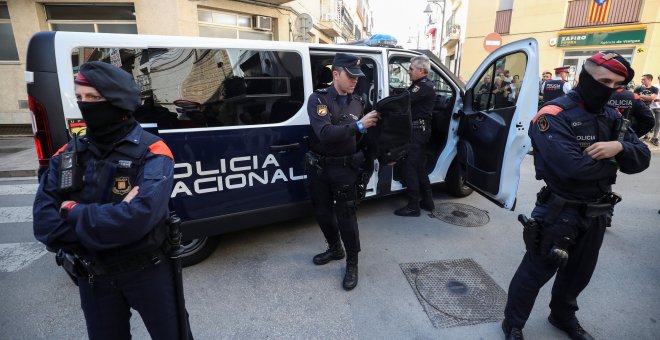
(321, 110)
(416, 88)
(121, 186)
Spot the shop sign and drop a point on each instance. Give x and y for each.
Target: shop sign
(602, 38)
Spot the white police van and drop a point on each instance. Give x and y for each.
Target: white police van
(233, 112)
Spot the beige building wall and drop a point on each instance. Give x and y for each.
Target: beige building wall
(161, 17)
(544, 20)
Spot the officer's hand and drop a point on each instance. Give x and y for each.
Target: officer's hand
(131, 195)
(370, 119)
(603, 150)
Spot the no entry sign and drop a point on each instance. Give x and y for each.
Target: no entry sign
(492, 41)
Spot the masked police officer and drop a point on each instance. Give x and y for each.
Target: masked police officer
(103, 205)
(422, 98)
(557, 87)
(632, 108)
(334, 163)
(579, 147)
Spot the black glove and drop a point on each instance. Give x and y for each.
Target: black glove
(559, 252)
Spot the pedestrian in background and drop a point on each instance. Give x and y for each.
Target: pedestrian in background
(649, 93)
(422, 98)
(103, 205)
(334, 163)
(578, 150)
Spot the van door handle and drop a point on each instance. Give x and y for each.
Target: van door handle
(286, 147)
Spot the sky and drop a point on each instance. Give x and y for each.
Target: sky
(402, 19)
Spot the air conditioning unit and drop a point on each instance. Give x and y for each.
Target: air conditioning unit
(262, 23)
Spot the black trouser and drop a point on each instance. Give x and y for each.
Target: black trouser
(414, 165)
(534, 270)
(151, 292)
(334, 197)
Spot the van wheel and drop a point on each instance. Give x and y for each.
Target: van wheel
(195, 251)
(455, 181)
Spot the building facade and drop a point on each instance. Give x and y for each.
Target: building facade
(315, 21)
(568, 31)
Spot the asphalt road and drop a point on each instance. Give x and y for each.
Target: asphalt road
(262, 284)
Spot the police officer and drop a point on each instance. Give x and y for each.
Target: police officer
(422, 98)
(578, 150)
(103, 206)
(556, 87)
(633, 109)
(334, 163)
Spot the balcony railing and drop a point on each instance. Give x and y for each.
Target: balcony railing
(620, 12)
(503, 21)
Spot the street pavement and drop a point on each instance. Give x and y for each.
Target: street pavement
(261, 283)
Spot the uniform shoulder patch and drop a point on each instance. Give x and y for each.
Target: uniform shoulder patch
(549, 109)
(543, 123)
(321, 110)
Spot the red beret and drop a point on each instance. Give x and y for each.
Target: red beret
(613, 62)
(81, 80)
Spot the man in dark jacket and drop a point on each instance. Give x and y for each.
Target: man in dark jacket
(579, 146)
(334, 162)
(422, 98)
(632, 108)
(103, 206)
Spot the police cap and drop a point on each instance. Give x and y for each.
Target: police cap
(349, 62)
(113, 83)
(561, 69)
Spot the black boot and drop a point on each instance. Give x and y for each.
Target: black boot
(571, 327)
(427, 200)
(351, 276)
(411, 209)
(335, 252)
(511, 333)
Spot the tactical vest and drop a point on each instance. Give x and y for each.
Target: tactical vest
(622, 101)
(108, 179)
(553, 89)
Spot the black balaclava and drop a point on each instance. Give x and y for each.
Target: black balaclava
(105, 122)
(594, 94)
(110, 120)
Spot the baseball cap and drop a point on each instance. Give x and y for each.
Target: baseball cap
(349, 62)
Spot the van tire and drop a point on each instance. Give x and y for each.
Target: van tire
(455, 181)
(195, 251)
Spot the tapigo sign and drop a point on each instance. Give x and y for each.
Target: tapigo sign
(604, 38)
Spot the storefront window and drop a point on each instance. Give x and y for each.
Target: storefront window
(8, 50)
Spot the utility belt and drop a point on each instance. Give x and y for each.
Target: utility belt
(588, 208)
(79, 268)
(421, 124)
(315, 160)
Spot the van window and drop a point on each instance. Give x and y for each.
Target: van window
(500, 85)
(198, 88)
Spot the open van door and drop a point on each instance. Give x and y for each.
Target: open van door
(500, 101)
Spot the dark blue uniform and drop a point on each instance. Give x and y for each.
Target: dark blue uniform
(121, 244)
(333, 190)
(422, 98)
(631, 107)
(576, 184)
(553, 89)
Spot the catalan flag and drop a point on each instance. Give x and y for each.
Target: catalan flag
(598, 11)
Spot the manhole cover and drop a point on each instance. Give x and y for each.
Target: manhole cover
(455, 292)
(461, 214)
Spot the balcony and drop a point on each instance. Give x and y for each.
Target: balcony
(331, 18)
(452, 35)
(619, 12)
(503, 21)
